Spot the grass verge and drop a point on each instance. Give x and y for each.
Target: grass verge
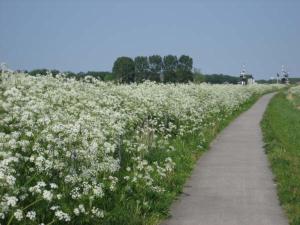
(188, 149)
(281, 129)
(187, 152)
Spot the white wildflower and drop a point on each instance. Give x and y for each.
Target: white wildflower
(18, 214)
(47, 195)
(10, 180)
(31, 215)
(2, 216)
(62, 216)
(97, 212)
(76, 211)
(98, 191)
(53, 186)
(59, 196)
(11, 201)
(55, 207)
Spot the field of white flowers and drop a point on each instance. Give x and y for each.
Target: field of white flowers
(88, 152)
(295, 90)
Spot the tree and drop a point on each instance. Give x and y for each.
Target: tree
(198, 77)
(80, 75)
(184, 69)
(54, 72)
(123, 69)
(70, 74)
(170, 65)
(109, 77)
(38, 71)
(141, 68)
(221, 78)
(97, 74)
(43, 72)
(155, 66)
(185, 63)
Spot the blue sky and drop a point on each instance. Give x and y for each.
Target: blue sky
(220, 35)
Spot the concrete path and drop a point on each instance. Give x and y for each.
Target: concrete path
(232, 183)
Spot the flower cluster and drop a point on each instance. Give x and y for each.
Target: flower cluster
(66, 144)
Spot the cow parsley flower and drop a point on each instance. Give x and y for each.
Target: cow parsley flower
(97, 212)
(11, 201)
(31, 215)
(76, 211)
(62, 216)
(18, 214)
(47, 195)
(10, 180)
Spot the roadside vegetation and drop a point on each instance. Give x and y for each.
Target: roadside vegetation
(90, 152)
(281, 128)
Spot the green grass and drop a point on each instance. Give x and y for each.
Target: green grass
(281, 129)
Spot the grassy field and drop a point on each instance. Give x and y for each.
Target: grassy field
(281, 128)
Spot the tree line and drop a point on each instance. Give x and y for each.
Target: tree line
(167, 69)
(196, 76)
(292, 80)
(221, 79)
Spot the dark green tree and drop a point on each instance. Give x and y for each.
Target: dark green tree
(184, 69)
(38, 71)
(70, 74)
(100, 75)
(123, 69)
(81, 75)
(54, 72)
(198, 77)
(221, 79)
(141, 68)
(155, 67)
(170, 63)
(185, 63)
(109, 77)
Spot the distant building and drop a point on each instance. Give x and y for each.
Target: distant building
(245, 78)
(250, 79)
(283, 77)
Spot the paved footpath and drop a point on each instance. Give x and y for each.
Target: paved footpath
(232, 183)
